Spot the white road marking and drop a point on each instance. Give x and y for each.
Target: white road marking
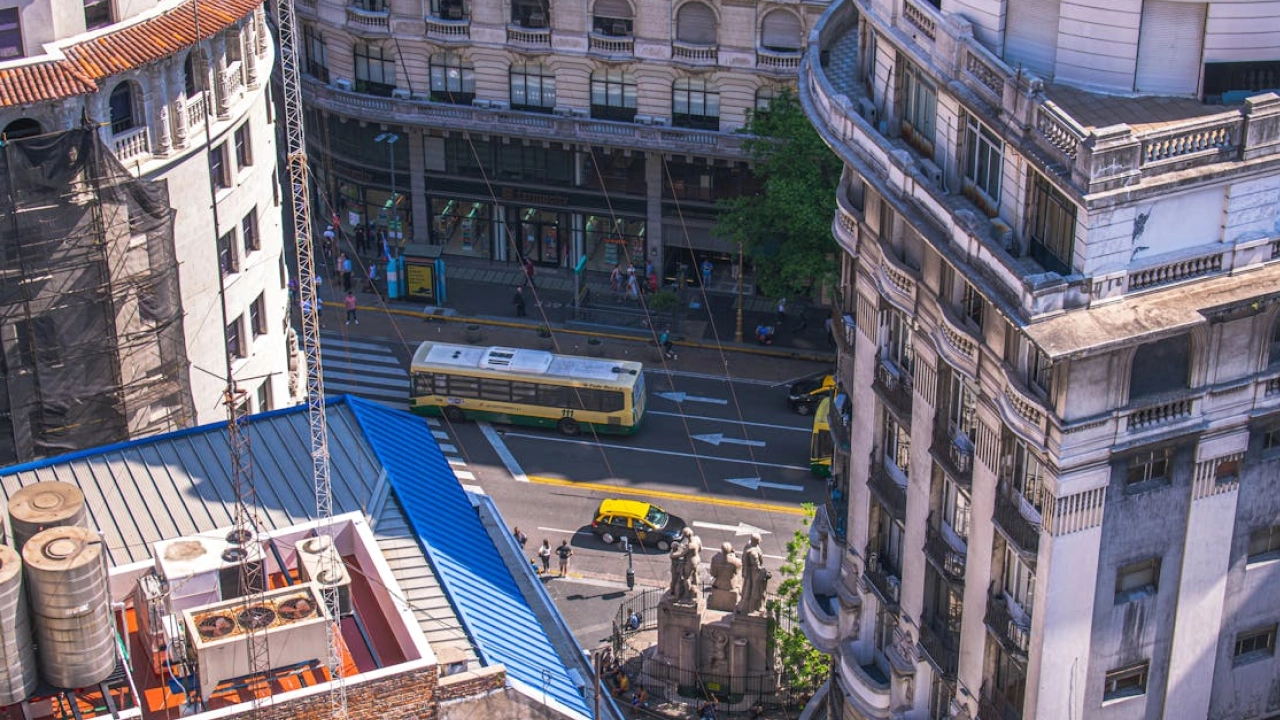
(740, 529)
(717, 438)
(439, 434)
(464, 474)
(552, 438)
(731, 421)
(756, 483)
(456, 461)
(361, 361)
(679, 397)
(365, 379)
(343, 341)
(504, 453)
(445, 447)
(474, 489)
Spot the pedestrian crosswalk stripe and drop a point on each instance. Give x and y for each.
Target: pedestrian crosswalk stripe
(440, 434)
(337, 339)
(389, 396)
(448, 448)
(456, 461)
(433, 422)
(361, 379)
(474, 489)
(361, 359)
(464, 475)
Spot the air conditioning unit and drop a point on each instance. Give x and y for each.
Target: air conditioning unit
(342, 84)
(644, 119)
(658, 120)
(867, 109)
(320, 562)
(293, 620)
(400, 94)
(205, 568)
(481, 103)
(500, 104)
(931, 171)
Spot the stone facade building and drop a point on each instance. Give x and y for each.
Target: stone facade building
(1056, 492)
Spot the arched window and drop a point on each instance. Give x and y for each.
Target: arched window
(21, 128)
(1161, 366)
(781, 32)
(613, 95)
(696, 24)
(695, 103)
(612, 17)
(533, 87)
(122, 111)
(375, 70)
(453, 79)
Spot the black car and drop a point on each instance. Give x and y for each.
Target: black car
(806, 394)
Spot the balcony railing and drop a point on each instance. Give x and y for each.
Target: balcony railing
(1176, 271)
(195, 109)
(612, 45)
(448, 30)
(131, 144)
(942, 644)
(691, 53)
(1015, 636)
(894, 388)
(787, 62)
(841, 435)
(893, 495)
(953, 449)
(368, 21)
(949, 561)
(882, 577)
(1164, 413)
(529, 37)
(1015, 526)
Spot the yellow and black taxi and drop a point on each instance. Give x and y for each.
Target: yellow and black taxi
(644, 524)
(806, 394)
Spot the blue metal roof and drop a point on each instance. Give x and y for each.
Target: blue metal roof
(468, 564)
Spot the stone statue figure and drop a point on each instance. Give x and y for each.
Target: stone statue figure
(684, 566)
(726, 568)
(755, 578)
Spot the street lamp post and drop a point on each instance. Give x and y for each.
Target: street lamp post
(390, 139)
(631, 571)
(737, 332)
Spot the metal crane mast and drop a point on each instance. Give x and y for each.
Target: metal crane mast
(299, 192)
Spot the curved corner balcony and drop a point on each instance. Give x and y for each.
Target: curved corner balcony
(866, 685)
(819, 616)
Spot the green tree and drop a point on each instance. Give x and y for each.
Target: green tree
(803, 665)
(785, 229)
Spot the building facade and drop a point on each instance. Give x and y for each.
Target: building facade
(178, 93)
(1055, 492)
(598, 133)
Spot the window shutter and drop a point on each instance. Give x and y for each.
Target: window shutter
(781, 31)
(1031, 35)
(696, 23)
(619, 9)
(1169, 44)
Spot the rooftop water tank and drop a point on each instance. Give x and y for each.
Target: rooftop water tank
(18, 676)
(70, 606)
(42, 506)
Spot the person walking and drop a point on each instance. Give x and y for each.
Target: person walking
(615, 279)
(544, 554)
(782, 313)
(350, 305)
(373, 279)
(344, 267)
(707, 268)
(564, 552)
(519, 536)
(518, 301)
(529, 272)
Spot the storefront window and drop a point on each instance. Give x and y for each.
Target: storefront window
(612, 242)
(464, 227)
(541, 235)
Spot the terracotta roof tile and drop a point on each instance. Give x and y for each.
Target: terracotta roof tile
(90, 62)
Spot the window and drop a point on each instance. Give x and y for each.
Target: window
(264, 396)
(919, 108)
(1270, 439)
(1273, 351)
(315, 61)
(1051, 227)
(612, 17)
(695, 103)
(258, 316)
(373, 6)
(10, 34)
(1149, 466)
(955, 508)
(218, 172)
(1125, 682)
(972, 305)
(613, 95)
(1023, 473)
(244, 149)
(226, 253)
(888, 541)
(249, 232)
(1160, 367)
(193, 74)
(1137, 580)
(897, 445)
(235, 348)
(765, 97)
(696, 24)
(895, 340)
(1039, 370)
(1018, 581)
(1232, 82)
(449, 9)
(533, 14)
(97, 14)
(1264, 544)
(533, 87)
(375, 70)
(983, 158)
(962, 409)
(1256, 644)
(121, 103)
(453, 80)
(781, 32)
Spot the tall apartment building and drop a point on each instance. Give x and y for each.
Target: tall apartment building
(597, 132)
(1057, 487)
(113, 278)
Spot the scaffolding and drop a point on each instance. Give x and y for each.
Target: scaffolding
(91, 329)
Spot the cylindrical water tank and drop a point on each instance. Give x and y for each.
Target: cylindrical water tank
(18, 676)
(70, 606)
(42, 506)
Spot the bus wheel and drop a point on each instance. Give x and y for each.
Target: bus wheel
(454, 414)
(568, 426)
(803, 409)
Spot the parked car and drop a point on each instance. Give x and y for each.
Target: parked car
(806, 394)
(640, 522)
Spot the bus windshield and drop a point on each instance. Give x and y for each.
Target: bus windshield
(657, 517)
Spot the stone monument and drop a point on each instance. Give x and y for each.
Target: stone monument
(726, 574)
(755, 578)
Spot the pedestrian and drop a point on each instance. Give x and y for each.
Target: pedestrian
(707, 268)
(544, 554)
(350, 304)
(519, 536)
(373, 278)
(361, 240)
(319, 285)
(344, 267)
(633, 289)
(529, 272)
(564, 552)
(518, 301)
(782, 313)
(615, 279)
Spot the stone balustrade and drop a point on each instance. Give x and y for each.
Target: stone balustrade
(529, 37)
(922, 17)
(448, 30)
(131, 145)
(610, 45)
(781, 62)
(693, 53)
(1163, 413)
(364, 21)
(1175, 271)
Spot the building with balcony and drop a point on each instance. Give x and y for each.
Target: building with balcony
(601, 133)
(141, 195)
(1059, 304)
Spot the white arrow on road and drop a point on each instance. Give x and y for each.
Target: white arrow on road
(679, 397)
(757, 483)
(717, 438)
(740, 529)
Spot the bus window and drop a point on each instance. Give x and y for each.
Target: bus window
(464, 387)
(495, 390)
(553, 395)
(423, 384)
(524, 393)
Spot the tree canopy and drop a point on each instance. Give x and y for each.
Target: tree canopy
(802, 663)
(785, 229)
